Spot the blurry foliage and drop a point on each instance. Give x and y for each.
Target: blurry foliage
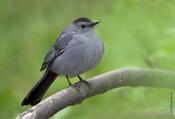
(133, 32)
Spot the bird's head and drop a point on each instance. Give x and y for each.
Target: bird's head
(84, 24)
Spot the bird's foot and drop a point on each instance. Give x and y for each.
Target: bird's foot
(86, 82)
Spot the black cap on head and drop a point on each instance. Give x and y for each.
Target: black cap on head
(82, 19)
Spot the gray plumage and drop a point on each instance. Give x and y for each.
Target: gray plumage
(77, 50)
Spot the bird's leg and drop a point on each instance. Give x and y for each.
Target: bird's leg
(86, 82)
(81, 79)
(70, 84)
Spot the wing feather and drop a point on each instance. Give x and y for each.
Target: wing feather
(57, 49)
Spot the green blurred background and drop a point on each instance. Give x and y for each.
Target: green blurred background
(135, 33)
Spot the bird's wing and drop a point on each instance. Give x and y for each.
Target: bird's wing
(57, 49)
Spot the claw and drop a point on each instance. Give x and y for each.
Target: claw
(84, 81)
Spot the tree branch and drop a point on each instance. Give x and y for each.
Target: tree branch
(133, 77)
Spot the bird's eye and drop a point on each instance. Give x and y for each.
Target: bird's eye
(83, 26)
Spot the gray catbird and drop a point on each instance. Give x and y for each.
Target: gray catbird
(77, 50)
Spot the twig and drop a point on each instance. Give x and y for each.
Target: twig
(133, 77)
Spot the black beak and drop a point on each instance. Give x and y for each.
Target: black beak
(92, 24)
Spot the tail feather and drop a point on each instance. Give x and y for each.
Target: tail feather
(37, 92)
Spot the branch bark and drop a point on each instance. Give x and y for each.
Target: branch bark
(133, 77)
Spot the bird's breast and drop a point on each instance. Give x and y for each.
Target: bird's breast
(79, 56)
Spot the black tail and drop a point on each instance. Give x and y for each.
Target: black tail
(37, 92)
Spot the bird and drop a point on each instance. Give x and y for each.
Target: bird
(77, 50)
